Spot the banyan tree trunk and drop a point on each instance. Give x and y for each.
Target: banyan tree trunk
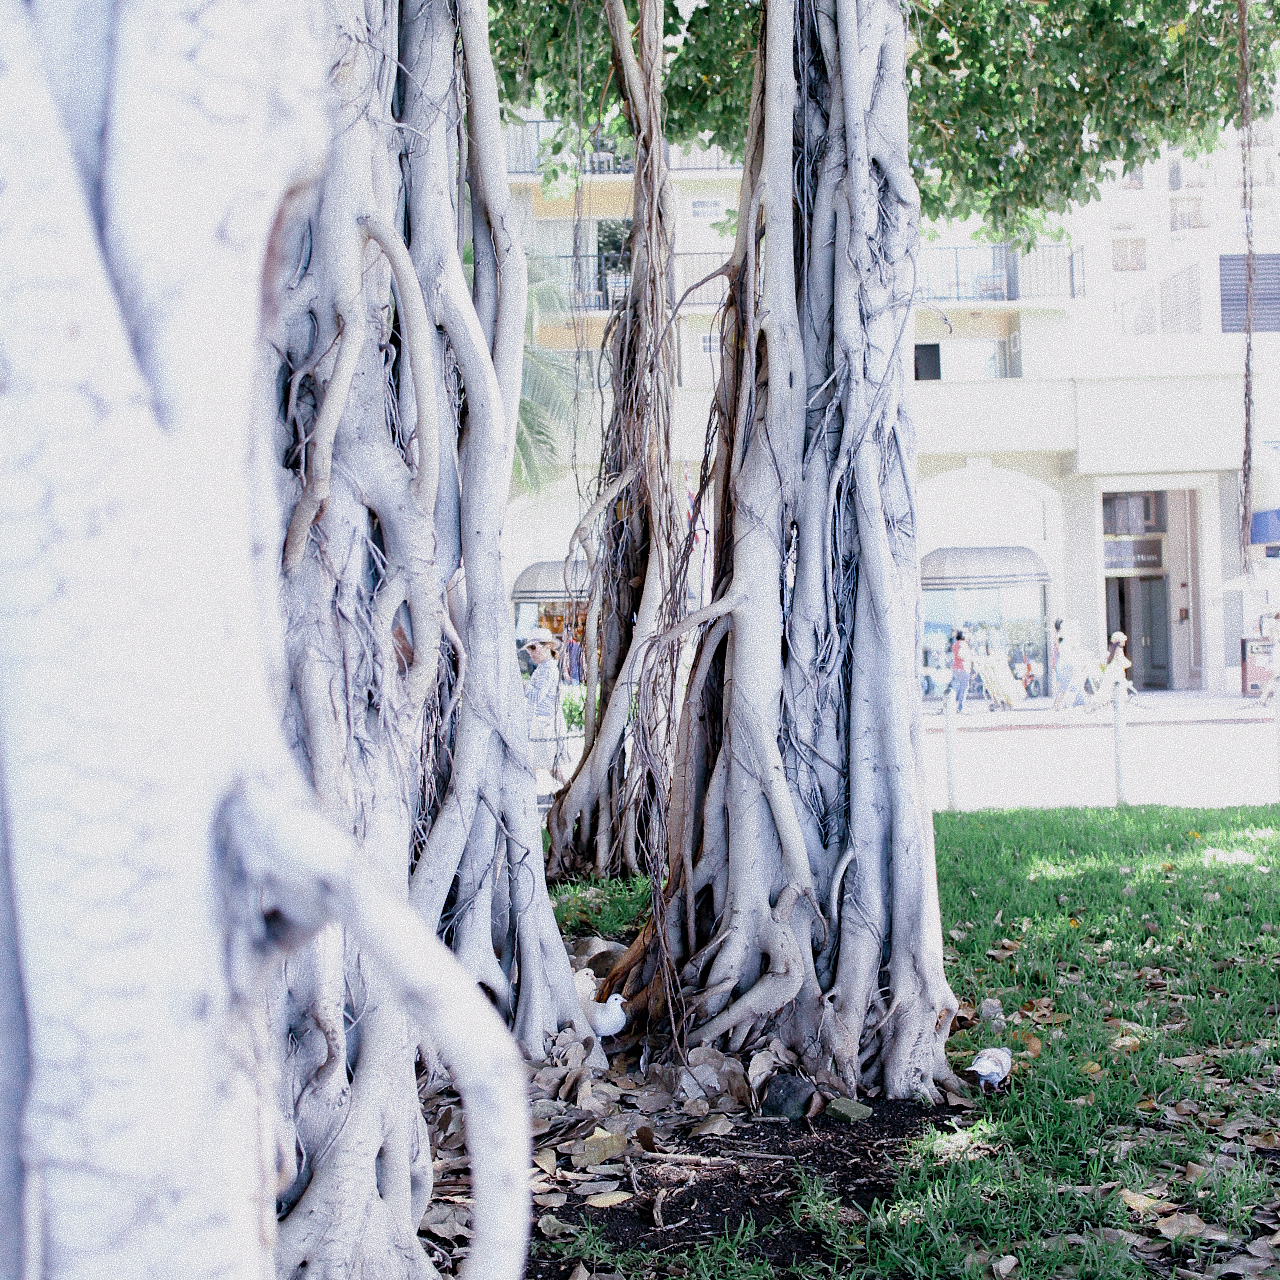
(608, 819)
(802, 898)
(256, 432)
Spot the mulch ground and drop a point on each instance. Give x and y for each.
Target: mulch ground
(752, 1175)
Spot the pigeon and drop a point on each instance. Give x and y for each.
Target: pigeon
(992, 1067)
(606, 1019)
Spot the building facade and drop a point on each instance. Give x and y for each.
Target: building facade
(1079, 408)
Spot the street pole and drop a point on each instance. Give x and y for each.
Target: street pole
(949, 724)
(1119, 695)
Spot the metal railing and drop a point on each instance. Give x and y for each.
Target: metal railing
(998, 273)
(699, 157)
(527, 141)
(600, 281)
(526, 150)
(989, 273)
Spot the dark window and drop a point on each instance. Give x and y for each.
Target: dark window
(1266, 292)
(928, 362)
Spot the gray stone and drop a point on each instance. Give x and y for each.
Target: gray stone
(847, 1109)
(601, 962)
(990, 1010)
(787, 1096)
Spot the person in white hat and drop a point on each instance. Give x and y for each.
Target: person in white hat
(546, 728)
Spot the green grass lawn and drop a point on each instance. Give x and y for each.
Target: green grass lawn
(608, 908)
(1137, 952)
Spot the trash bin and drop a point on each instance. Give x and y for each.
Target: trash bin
(1255, 665)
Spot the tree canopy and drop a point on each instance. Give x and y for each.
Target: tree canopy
(1018, 107)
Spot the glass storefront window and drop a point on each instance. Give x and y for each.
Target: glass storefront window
(1007, 620)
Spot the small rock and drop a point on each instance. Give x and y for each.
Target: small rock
(787, 1096)
(1004, 1266)
(848, 1110)
(990, 1009)
(602, 963)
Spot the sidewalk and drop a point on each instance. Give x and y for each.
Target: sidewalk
(1180, 748)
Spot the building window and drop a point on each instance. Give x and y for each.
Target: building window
(1266, 292)
(708, 209)
(928, 362)
(1128, 254)
(1180, 301)
(1133, 180)
(1131, 514)
(1186, 213)
(708, 345)
(1175, 175)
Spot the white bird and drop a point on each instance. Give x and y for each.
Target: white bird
(992, 1067)
(606, 1019)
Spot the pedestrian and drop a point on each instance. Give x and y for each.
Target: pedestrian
(961, 666)
(546, 723)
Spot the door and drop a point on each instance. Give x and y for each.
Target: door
(1154, 594)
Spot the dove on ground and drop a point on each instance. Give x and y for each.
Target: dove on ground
(606, 1019)
(992, 1066)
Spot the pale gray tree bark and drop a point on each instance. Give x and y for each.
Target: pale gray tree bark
(608, 819)
(239, 177)
(802, 889)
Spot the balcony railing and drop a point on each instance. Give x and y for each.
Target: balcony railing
(977, 273)
(527, 141)
(598, 282)
(998, 273)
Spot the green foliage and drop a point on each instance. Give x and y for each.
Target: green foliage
(546, 386)
(573, 704)
(1018, 107)
(607, 908)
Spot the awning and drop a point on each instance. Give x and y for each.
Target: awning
(545, 580)
(981, 567)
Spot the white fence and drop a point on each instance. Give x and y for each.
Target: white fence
(1171, 749)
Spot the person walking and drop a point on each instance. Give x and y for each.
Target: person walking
(961, 666)
(546, 723)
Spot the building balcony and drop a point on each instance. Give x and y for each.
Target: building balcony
(600, 281)
(980, 273)
(999, 273)
(528, 143)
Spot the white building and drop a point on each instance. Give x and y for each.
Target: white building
(1079, 408)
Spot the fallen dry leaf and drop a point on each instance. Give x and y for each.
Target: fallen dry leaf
(714, 1127)
(1032, 1044)
(1181, 1226)
(608, 1199)
(1138, 1202)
